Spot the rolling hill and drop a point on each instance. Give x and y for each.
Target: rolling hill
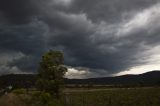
(28, 80)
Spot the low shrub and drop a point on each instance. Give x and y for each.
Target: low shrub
(19, 91)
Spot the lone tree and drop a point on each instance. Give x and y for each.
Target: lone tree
(51, 73)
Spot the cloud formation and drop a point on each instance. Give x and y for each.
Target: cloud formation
(101, 37)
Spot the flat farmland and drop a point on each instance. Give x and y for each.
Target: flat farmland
(112, 97)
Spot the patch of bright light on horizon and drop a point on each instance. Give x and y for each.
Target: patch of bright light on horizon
(152, 63)
(74, 73)
(140, 69)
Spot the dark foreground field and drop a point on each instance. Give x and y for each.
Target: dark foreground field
(115, 97)
(94, 97)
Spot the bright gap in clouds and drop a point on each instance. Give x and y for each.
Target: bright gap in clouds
(63, 2)
(140, 69)
(74, 73)
(141, 20)
(152, 63)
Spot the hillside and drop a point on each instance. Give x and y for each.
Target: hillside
(149, 78)
(28, 80)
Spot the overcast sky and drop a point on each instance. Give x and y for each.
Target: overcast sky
(98, 37)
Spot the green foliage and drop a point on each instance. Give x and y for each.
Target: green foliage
(19, 91)
(45, 99)
(34, 98)
(51, 72)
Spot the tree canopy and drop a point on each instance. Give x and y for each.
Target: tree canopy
(51, 72)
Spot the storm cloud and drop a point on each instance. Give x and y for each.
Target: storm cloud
(98, 37)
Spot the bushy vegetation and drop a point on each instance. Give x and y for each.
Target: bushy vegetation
(51, 73)
(19, 91)
(20, 97)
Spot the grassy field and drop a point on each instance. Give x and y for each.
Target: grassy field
(113, 97)
(94, 97)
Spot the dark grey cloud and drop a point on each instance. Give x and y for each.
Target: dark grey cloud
(110, 10)
(29, 36)
(99, 35)
(27, 39)
(18, 11)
